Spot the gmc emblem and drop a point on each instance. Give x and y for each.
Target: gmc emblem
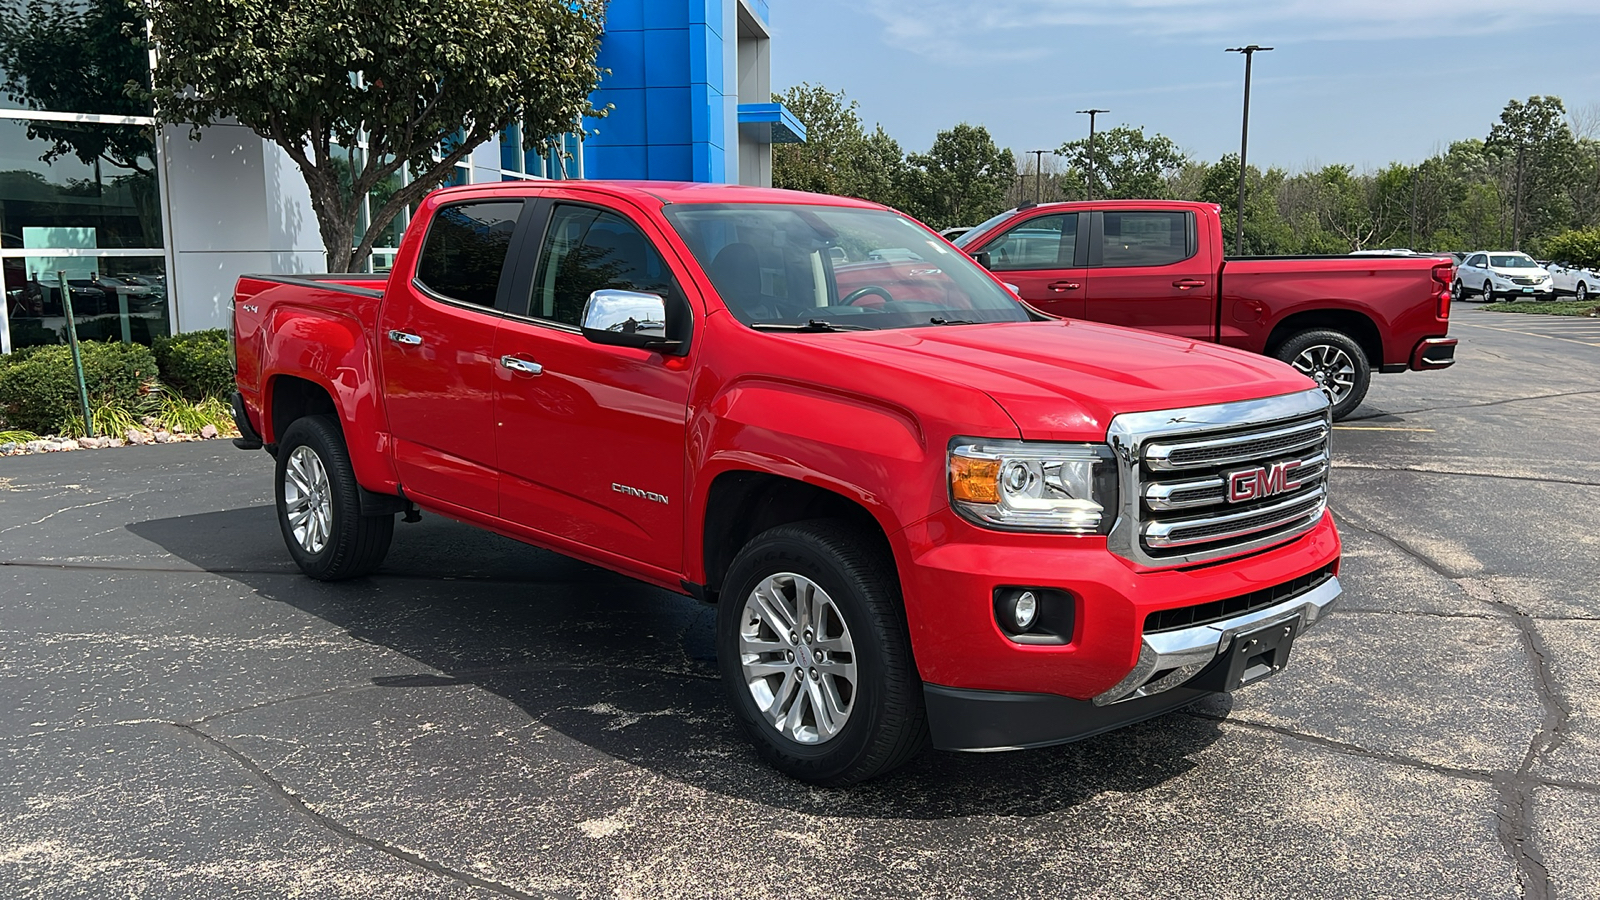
(1263, 482)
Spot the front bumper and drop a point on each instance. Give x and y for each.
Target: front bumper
(1509, 289)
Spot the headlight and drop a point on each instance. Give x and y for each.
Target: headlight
(1066, 488)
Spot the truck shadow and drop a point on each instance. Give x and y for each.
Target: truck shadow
(629, 670)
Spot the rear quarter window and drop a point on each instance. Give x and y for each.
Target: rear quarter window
(465, 251)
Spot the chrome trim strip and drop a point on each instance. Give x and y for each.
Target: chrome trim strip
(1186, 651)
(1161, 534)
(1159, 456)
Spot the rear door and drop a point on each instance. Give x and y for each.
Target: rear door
(592, 438)
(1146, 270)
(436, 345)
(1043, 256)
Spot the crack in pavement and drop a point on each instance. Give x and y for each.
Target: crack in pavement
(58, 512)
(1372, 467)
(1410, 412)
(296, 805)
(1513, 790)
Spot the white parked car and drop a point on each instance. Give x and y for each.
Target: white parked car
(1503, 275)
(1580, 283)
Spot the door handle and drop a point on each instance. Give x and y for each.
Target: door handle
(1183, 284)
(401, 337)
(1063, 286)
(525, 366)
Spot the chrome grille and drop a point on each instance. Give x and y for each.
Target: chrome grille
(1176, 466)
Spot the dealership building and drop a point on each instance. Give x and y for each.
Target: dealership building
(152, 228)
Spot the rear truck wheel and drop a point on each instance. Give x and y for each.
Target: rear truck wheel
(813, 648)
(319, 504)
(1582, 293)
(1335, 362)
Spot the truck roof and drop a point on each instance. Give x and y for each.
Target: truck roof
(669, 192)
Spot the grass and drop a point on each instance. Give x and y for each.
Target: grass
(1546, 307)
(17, 437)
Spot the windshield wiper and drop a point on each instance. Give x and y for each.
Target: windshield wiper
(940, 320)
(811, 326)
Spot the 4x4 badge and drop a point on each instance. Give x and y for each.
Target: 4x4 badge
(1262, 482)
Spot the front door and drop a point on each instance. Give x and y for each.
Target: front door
(592, 438)
(436, 344)
(1147, 271)
(1042, 257)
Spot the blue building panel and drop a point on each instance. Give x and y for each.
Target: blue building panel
(672, 65)
(666, 57)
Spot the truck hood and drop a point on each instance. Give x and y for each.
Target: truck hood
(1065, 380)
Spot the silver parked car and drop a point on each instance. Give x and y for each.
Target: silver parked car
(1504, 275)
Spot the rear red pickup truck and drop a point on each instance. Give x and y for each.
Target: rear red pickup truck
(1158, 265)
(925, 512)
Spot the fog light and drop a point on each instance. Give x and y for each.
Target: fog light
(1026, 610)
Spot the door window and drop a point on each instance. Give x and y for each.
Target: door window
(1142, 239)
(587, 250)
(465, 250)
(1477, 260)
(1045, 242)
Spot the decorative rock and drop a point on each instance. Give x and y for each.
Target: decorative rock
(116, 442)
(162, 437)
(34, 446)
(208, 432)
(133, 436)
(9, 446)
(177, 429)
(149, 421)
(51, 446)
(71, 444)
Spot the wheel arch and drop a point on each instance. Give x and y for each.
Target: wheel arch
(1358, 326)
(741, 504)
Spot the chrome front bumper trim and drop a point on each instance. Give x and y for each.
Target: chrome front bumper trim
(1180, 655)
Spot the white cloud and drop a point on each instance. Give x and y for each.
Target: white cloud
(1034, 28)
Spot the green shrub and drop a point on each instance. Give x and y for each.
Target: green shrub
(39, 392)
(198, 364)
(1579, 249)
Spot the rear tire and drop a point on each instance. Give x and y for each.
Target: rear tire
(1335, 362)
(828, 586)
(319, 504)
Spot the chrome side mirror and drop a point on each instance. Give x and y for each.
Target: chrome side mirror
(627, 319)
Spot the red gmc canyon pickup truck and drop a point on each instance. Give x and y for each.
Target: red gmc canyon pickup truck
(1158, 265)
(925, 512)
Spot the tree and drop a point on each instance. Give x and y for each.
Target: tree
(1265, 231)
(422, 84)
(1127, 164)
(824, 162)
(962, 179)
(1535, 137)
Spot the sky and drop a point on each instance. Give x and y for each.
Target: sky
(1357, 82)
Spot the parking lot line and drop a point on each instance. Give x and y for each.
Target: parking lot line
(1527, 333)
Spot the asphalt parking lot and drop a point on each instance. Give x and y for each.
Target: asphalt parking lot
(183, 715)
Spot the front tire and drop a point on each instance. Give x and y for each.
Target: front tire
(1488, 292)
(1582, 293)
(319, 504)
(814, 653)
(1335, 362)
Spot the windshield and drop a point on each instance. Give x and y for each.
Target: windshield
(1512, 261)
(980, 228)
(824, 268)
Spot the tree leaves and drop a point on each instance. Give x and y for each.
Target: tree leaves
(314, 76)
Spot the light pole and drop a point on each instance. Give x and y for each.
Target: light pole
(1038, 174)
(1091, 113)
(1244, 143)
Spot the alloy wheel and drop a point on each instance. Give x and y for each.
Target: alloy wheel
(308, 499)
(797, 658)
(1330, 367)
